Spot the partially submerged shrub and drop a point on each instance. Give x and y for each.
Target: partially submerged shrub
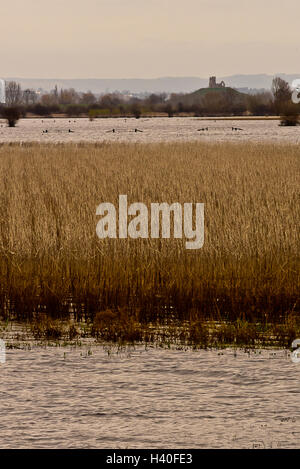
(117, 326)
(289, 115)
(199, 334)
(285, 333)
(12, 115)
(46, 328)
(53, 329)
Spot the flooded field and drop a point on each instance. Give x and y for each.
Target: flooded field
(136, 398)
(92, 396)
(147, 130)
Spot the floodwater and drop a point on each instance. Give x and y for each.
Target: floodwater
(62, 397)
(147, 130)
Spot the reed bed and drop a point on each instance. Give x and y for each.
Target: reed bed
(53, 265)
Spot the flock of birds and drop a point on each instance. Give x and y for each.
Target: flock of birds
(46, 131)
(114, 131)
(204, 129)
(207, 128)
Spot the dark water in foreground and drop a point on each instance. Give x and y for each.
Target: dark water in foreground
(63, 397)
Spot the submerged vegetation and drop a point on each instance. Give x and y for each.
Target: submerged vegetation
(242, 287)
(120, 329)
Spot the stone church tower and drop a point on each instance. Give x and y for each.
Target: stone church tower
(213, 83)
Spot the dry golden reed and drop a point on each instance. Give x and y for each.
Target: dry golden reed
(52, 261)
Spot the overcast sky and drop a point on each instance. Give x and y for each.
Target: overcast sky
(148, 38)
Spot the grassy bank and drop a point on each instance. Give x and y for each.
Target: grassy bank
(52, 263)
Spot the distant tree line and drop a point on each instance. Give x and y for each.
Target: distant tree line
(69, 102)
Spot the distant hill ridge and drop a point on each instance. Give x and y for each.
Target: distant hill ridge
(224, 91)
(151, 85)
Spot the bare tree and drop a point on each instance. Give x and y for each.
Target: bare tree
(29, 97)
(110, 101)
(169, 109)
(261, 104)
(88, 98)
(49, 99)
(13, 93)
(282, 93)
(69, 96)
